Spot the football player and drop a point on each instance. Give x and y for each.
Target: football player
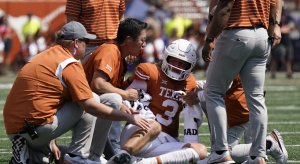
(161, 82)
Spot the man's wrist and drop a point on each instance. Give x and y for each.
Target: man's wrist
(275, 22)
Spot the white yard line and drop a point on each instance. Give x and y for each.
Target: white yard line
(283, 108)
(6, 86)
(280, 88)
(2, 102)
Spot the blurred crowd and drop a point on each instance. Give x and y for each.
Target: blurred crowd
(165, 25)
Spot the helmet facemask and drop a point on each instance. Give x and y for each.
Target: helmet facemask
(182, 53)
(176, 73)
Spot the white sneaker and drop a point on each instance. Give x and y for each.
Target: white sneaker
(277, 150)
(97, 159)
(78, 160)
(103, 160)
(257, 160)
(223, 158)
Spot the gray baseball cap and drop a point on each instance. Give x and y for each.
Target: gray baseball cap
(75, 30)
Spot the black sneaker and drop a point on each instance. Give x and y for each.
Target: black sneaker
(122, 157)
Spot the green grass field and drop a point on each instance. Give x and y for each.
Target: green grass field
(282, 99)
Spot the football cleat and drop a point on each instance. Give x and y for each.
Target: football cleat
(277, 149)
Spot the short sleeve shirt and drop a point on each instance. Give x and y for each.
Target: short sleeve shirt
(106, 58)
(37, 93)
(164, 104)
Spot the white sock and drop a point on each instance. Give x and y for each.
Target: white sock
(185, 155)
(151, 160)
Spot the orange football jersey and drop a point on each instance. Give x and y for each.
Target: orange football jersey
(165, 105)
(236, 106)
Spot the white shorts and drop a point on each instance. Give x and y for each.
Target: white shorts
(163, 143)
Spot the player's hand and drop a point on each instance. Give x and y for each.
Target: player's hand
(206, 51)
(140, 122)
(191, 98)
(131, 94)
(55, 150)
(126, 109)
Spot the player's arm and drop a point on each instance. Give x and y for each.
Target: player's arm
(138, 84)
(212, 7)
(100, 84)
(274, 22)
(218, 22)
(220, 18)
(103, 111)
(139, 138)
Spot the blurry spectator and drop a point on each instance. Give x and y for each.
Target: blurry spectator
(29, 48)
(31, 27)
(154, 22)
(32, 47)
(40, 41)
(149, 53)
(5, 41)
(176, 26)
(154, 43)
(283, 53)
(197, 38)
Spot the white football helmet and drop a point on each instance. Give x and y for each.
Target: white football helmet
(180, 49)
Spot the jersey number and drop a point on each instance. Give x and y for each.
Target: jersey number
(169, 114)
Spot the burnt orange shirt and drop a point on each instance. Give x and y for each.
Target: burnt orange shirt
(164, 104)
(247, 13)
(37, 93)
(106, 58)
(100, 17)
(236, 105)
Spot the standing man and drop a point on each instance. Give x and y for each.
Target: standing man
(100, 17)
(242, 47)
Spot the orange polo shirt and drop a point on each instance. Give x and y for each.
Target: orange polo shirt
(37, 93)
